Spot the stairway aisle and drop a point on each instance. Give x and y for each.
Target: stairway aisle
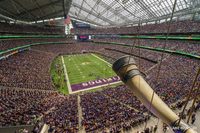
(80, 116)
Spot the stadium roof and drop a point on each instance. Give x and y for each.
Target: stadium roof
(33, 10)
(97, 12)
(125, 12)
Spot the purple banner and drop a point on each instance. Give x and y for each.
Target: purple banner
(94, 83)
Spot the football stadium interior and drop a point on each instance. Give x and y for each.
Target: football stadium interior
(99, 66)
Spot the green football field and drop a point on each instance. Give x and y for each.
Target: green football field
(79, 68)
(86, 67)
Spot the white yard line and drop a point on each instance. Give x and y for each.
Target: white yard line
(66, 76)
(102, 60)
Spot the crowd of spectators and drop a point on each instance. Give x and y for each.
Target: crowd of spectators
(185, 46)
(65, 116)
(33, 107)
(175, 77)
(11, 28)
(106, 51)
(102, 111)
(29, 69)
(176, 27)
(21, 65)
(12, 43)
(143, 64)
(123, 94)
(23, 107)
(174, 82)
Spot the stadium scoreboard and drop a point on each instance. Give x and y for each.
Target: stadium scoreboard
(82, 38)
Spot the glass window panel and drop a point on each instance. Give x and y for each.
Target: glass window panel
(124, 11)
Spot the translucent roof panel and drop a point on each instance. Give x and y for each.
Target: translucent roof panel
(122, 12)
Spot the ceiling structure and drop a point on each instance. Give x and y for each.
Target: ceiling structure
(33, 10)
(97, 12)
(125, 12)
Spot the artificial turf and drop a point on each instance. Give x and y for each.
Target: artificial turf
(80, 68)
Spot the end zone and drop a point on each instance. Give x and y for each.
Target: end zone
(95, 84)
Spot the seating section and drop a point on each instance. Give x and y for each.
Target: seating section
(64, 118)
(29, 29)
(176, 27)
(123, 94)
(29, 69)
(12, 43)
(186, 46)
(101, 112)
(22, 107)
(175, 78)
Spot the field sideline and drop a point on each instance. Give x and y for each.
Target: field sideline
(83, 71)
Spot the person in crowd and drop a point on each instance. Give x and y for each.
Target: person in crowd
(155, 128)
(193, 118)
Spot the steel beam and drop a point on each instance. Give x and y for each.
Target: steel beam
(94, 14)
(41, 7)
